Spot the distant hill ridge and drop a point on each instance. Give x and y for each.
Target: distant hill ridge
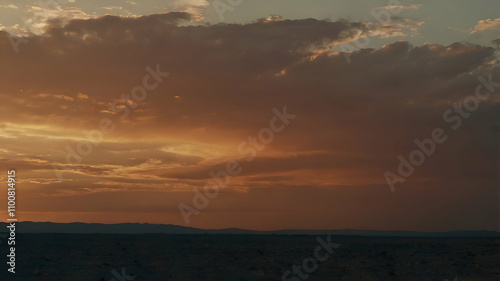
(146, 228)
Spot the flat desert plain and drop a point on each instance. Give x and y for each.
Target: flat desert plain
(99, 257)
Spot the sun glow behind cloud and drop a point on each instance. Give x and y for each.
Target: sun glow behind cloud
(353, 120)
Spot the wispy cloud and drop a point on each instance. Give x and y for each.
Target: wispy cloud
(9, 6)
(487, 24)
(399, 7)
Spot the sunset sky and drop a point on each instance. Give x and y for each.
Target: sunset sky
(355, 113)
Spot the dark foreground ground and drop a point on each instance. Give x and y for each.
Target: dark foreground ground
(93, 257)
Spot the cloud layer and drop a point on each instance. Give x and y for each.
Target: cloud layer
(353, 121)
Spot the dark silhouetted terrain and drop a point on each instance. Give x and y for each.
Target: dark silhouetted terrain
(145, 228)
(198, 257)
